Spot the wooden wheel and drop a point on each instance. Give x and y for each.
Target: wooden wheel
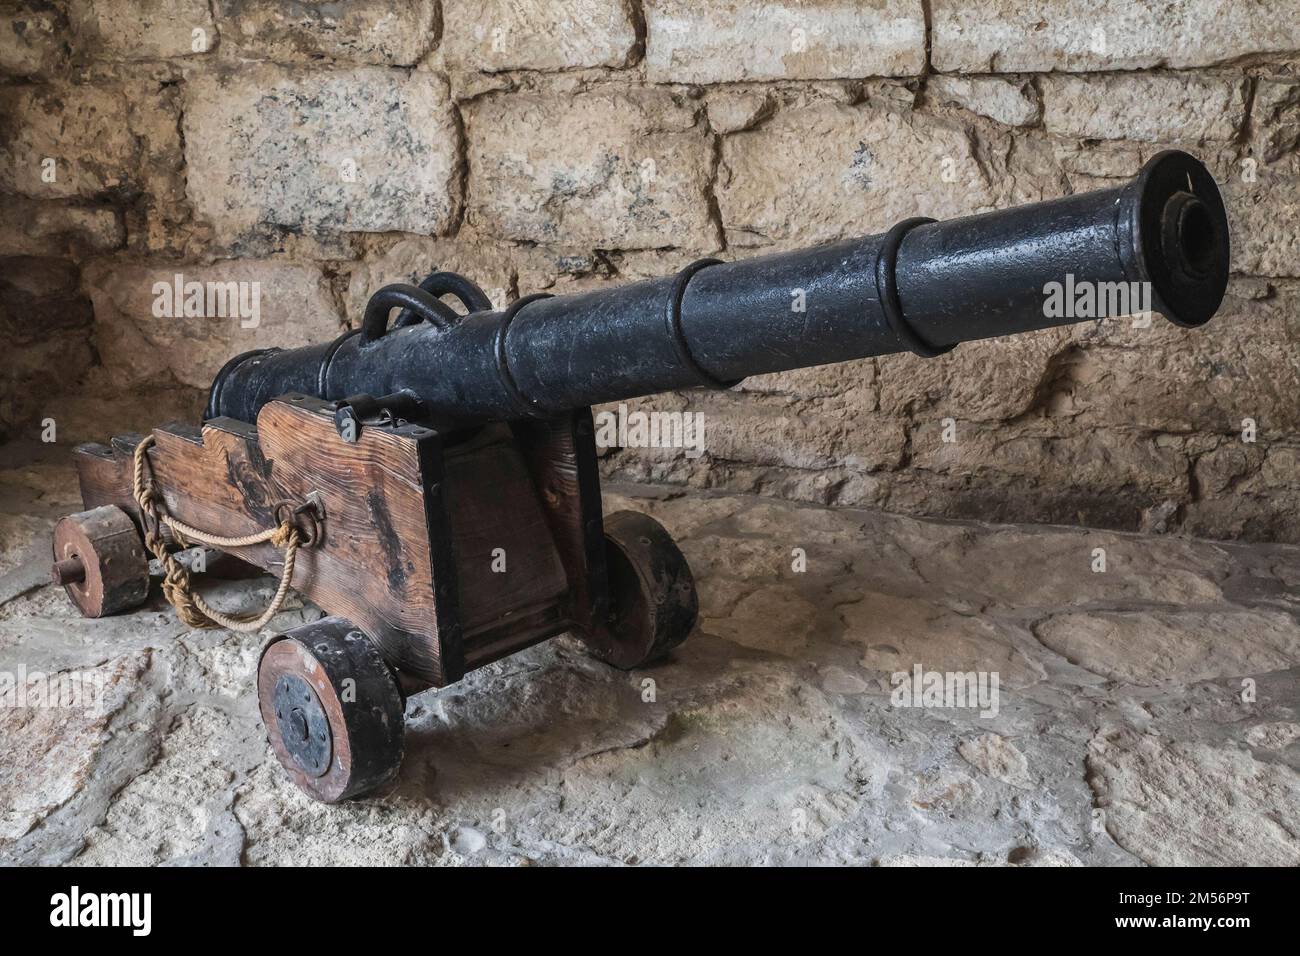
(653, 603)
(100, 561)
(332, 709)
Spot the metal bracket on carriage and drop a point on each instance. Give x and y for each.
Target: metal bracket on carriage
(355, 412)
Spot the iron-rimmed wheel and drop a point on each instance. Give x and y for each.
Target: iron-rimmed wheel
(332, 709)
(99, 560)
(653, 604)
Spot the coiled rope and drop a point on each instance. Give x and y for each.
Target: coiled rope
(177, 587)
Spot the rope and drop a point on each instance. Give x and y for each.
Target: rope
(190, 606)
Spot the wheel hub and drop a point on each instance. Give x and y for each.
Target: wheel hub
(304, 728)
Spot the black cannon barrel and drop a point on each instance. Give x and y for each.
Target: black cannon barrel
(1160, 242)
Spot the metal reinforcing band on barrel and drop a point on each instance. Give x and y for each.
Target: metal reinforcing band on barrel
(213, 409)
(323, 377)
(517, 398)
(674, 317)
(887, 291)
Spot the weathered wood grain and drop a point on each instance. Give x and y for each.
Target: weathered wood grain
(447, 557)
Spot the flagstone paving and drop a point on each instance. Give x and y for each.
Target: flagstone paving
(1144, 713)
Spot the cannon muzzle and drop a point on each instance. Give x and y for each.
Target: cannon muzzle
(1158, 243)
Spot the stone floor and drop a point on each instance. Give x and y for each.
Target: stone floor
(1146, 714)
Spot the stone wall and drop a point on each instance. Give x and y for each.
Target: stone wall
(321, 150)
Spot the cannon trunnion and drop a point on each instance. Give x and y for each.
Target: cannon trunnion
(433, 485)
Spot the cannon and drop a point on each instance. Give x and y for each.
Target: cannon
(430, 481)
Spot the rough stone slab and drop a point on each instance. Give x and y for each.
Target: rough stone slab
(93, 406)
(999, 758)
(1275, 116)
(130, 833)
(32, 36)
(496, 35)
(410, 260)
(44, 317)
(731, 109)
(1158, 108)
(39, 374)
(1146, 647)
(775, 619)
(1081, 35)
(899, 632)
(498, 268)
(1180, 803)
(1237, 479)
(837, 773)
(1264, 219)
(770, 432)
(987, 380)
(782, 40)
(766, 429)
(24, 539)
(41, 296)
(382, 32)
(1273, 735)
(608, 169)
(295, 308)
(1121, 373)
(836, 485)
(365, 149)
(1130, 373)
(1025, 856)
(1010, 102)
(1138, 569)
(36, 228)
(821, 381)
(105, 139)
(143, 29)
(830, 171)
(1109, 464)
(50, 752)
